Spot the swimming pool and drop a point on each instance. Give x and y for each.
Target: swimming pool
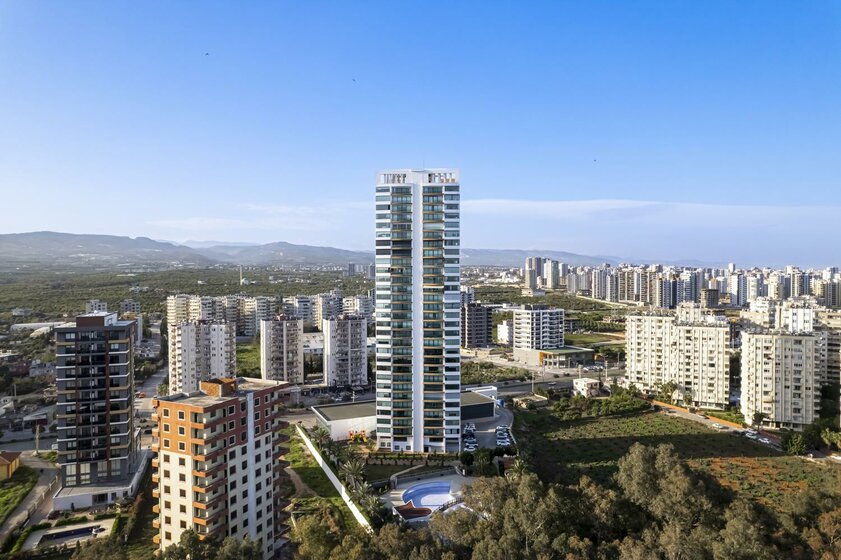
(428, 494)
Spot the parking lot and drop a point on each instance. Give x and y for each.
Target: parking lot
(486, 429)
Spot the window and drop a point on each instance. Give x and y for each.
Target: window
(181, 462)
(182, 508)
(166, 412)
(182, 477)
(182, 446)
(181, 415)
(166, 427)
(181, 431)
(182, 493)
(166, 474)
(167, 504)
(166, 443)
(166, 458)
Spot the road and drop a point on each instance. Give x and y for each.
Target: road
(150, 387)
(36, 499)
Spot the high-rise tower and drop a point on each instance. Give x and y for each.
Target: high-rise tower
(418, 371)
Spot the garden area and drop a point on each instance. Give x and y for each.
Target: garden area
(13, 490)
(564, 450)
(473, 373)
(248, 359)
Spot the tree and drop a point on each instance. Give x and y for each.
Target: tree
(235, 549)
(163, 389)
(466, 458)
(793, 443)
(189, 547)
(745, 534)
(758, 418)
(517, 470)
(97, 549)
(320, 436)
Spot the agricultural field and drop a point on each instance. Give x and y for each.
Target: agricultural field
(562, 451)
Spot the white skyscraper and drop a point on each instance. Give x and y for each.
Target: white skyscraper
(198, 351)
(418, 372)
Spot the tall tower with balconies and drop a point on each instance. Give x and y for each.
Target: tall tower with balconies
(417, 314)
(97, 442)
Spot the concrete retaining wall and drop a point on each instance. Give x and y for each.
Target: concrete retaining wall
(334, 480)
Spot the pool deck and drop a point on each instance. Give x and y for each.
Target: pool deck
(33, 541)
(394, 498)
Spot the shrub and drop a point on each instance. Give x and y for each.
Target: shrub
(71, 520)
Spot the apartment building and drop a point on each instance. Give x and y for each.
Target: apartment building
(781, 377)
(282, 349)
(505, 332)
(689, 348)
(198, 351)
(326, 306)
(476, 326)
(97, 443)
(418, 367)
(129, 306)
(301, 307)
(538, 327)
(96, 306)
(244, 312)
(345, 350)
(359, 305)
(217, 469)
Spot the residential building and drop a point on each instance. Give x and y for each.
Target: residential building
(538, 327)
(96, 306)
(326, 306)
(129, 306)
(505, 333)
(476, 326)
(217, 469)
(97, 443)
(359, 305)
(198, 351)
(9, 463)
(689, 348)
(781, 377)
(345, 350)
(417, 310)
(282, 349)
(301, 307)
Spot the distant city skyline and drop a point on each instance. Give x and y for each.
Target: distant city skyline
(645, 132)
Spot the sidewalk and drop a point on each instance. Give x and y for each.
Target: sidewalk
(35, 499)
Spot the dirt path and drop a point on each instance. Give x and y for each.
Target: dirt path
(301, 489)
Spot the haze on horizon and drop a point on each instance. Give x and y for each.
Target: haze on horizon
(648, 131)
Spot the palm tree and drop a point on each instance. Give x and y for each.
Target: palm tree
(517, 470)
(320, 436)
(352, 472)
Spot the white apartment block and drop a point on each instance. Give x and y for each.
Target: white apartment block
(282, 349)
(345, 351)
(505, 332)
(326, 306)
(359, 305)
(252, 310)
(538, 327)
(198, 351)
(418, 366)
(689, 348)
(244, 312)
(781, 377)
(216, 469)
(301, 307)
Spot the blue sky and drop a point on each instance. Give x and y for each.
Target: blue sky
(660, 130)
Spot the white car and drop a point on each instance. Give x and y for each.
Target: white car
(764, 440)
(717, 426)
(750, 435)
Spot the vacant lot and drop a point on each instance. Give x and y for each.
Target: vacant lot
(248, 359)
(591, 338)
(564, 450)
(12, 491)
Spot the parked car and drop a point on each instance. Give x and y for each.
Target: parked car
(717, 426)
(764, 440)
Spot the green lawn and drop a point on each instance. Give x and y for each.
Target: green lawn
(13, 491)
(382, 472)
(248, 359)
(562, 451)
(590, 338)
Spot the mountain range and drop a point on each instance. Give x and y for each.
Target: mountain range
(68, 249)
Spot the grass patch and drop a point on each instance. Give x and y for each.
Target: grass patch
(139, 545)
(588, 339)
(729, 415)
(382, 472)
(51, 456)
(303, 463)
(13, 490)
(486, 372)
(248, 359)
(562, 451)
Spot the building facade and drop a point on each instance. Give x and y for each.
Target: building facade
(217, 469)
(476, 326)
(781, 377)
(418, 368)
(198, 351)
(97, 442)
(345, 351)
(538, 327)
(282, 349)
